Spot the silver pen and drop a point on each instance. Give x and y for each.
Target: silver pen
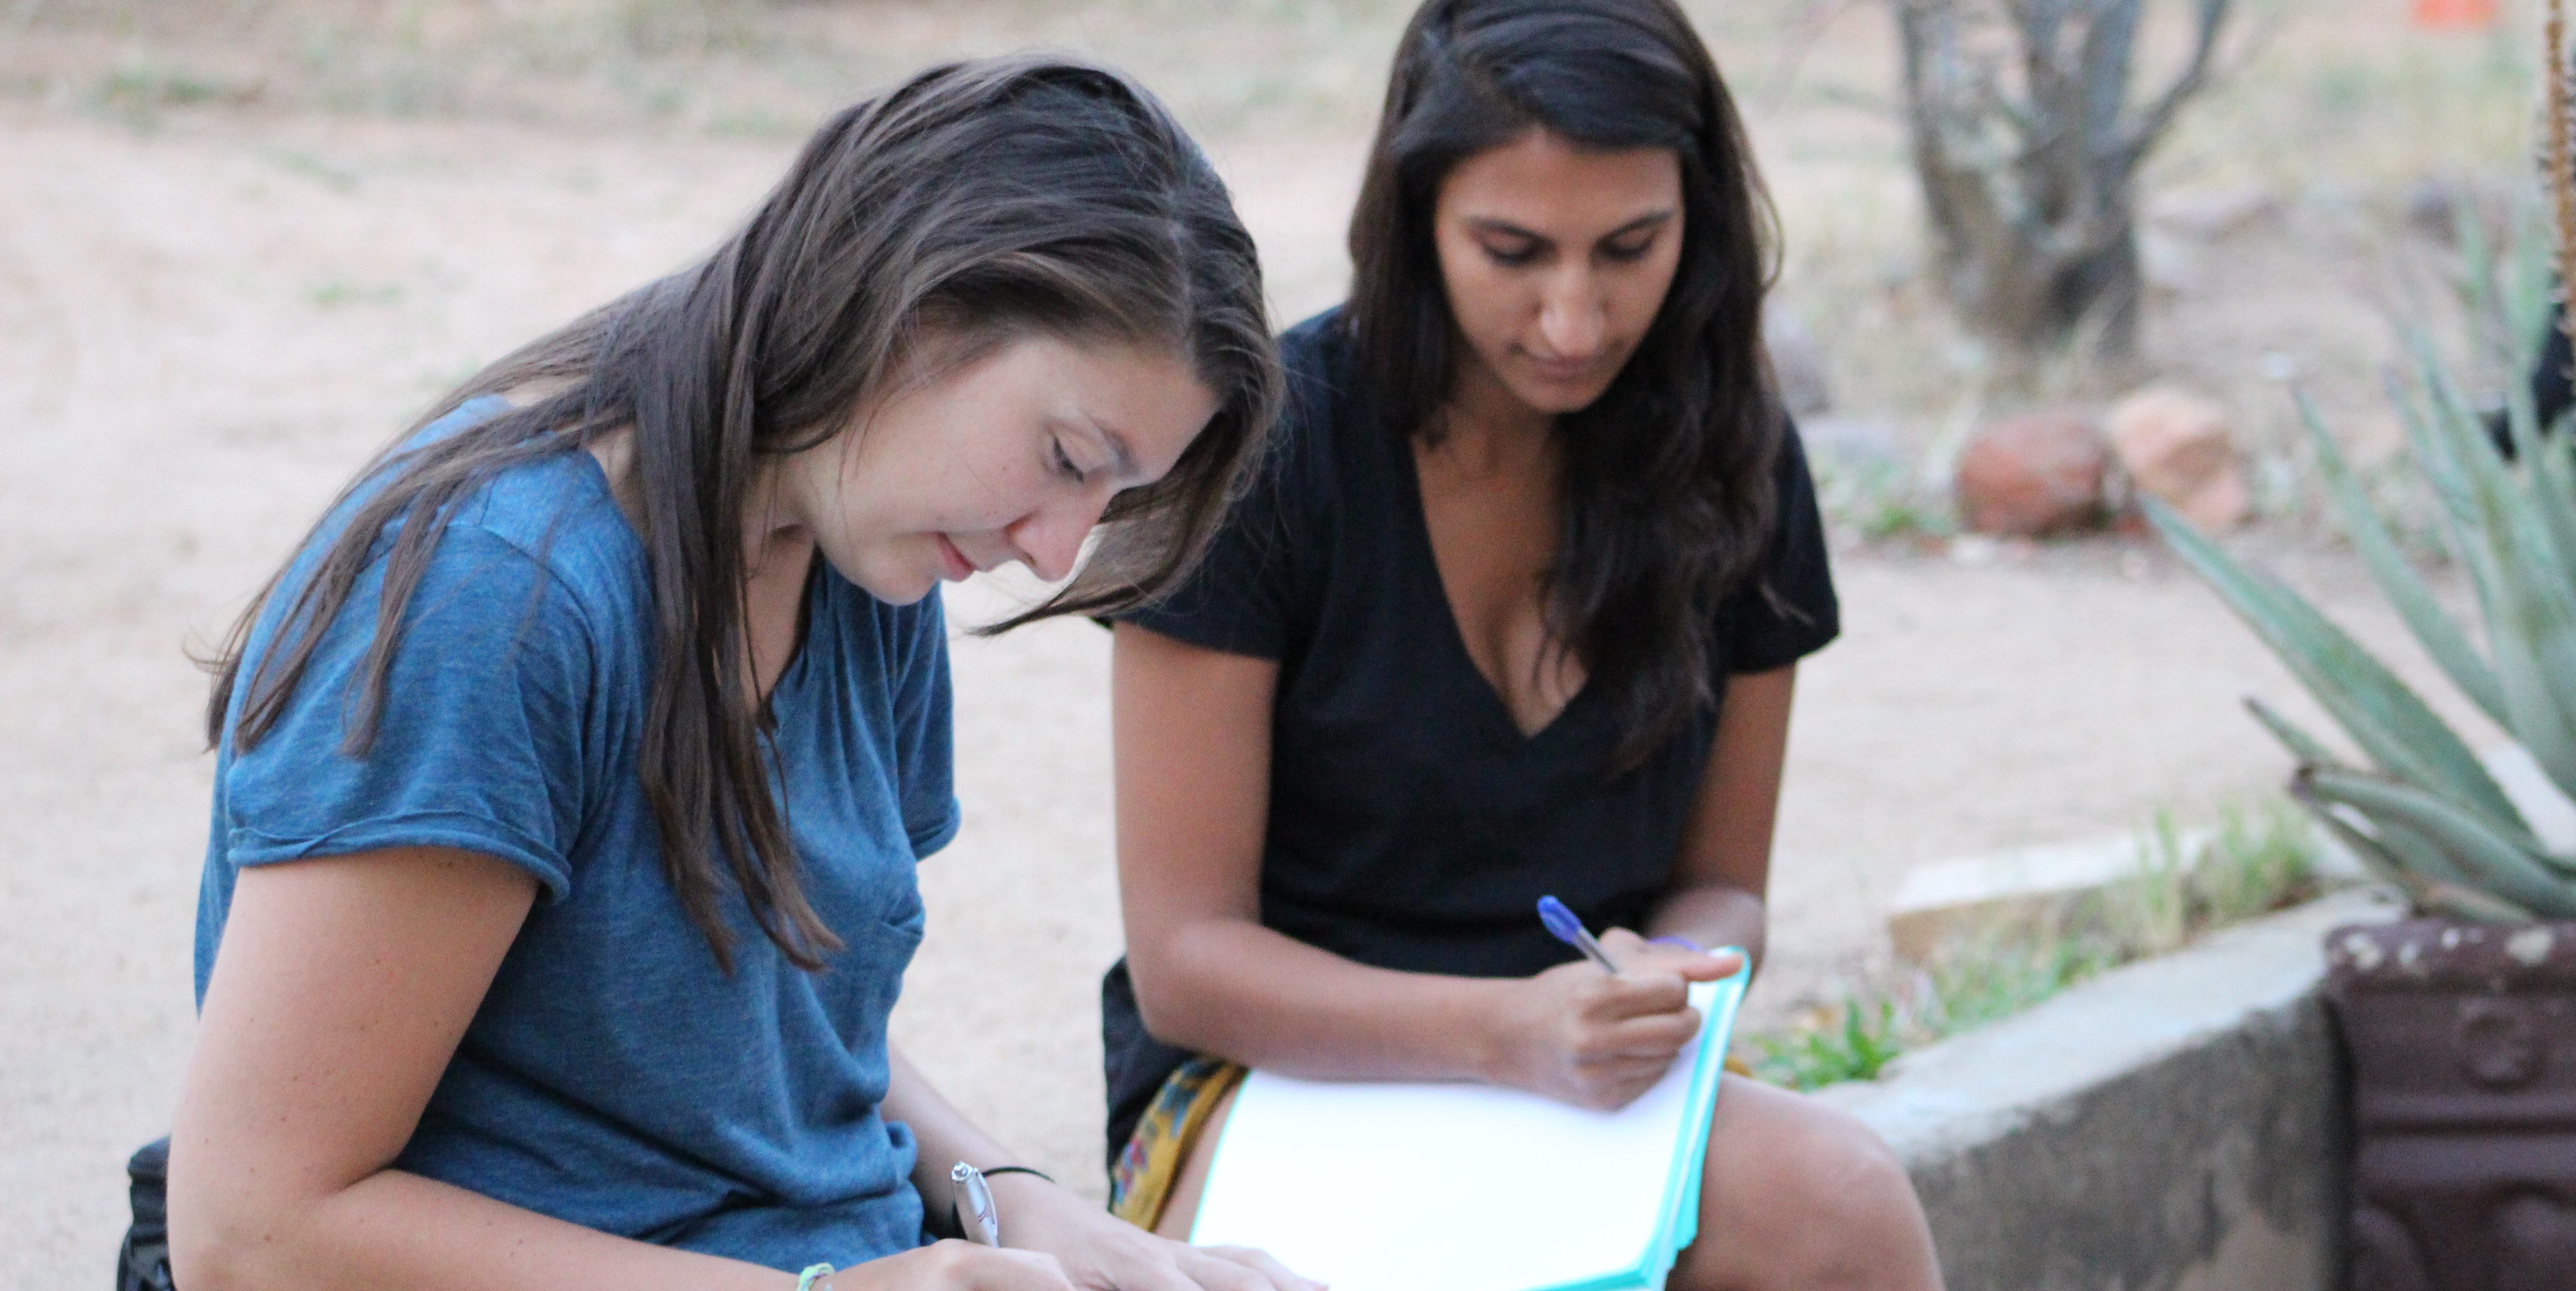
(975, 1212)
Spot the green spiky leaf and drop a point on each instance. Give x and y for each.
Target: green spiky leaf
(2423, 891)
(2308, 749)
(2524, 582)
(2382, 714)
(2397, 579)
(2498, 860)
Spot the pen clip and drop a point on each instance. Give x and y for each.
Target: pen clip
(973, 1203)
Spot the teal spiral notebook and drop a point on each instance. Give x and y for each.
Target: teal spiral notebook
(1420, 1187)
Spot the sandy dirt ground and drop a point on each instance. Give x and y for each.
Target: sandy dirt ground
(203, 329)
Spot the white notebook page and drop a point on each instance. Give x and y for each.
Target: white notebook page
(1417, 1187)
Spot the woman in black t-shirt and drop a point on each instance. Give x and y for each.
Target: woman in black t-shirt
(1516, 611)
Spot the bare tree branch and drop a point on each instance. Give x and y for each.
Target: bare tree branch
(2027, 147)
(2158, 117)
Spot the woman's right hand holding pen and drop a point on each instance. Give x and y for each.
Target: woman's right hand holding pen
(1579, 1035)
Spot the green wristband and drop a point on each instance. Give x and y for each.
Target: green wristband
(805, 1280)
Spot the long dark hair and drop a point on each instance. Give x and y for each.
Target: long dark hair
(975, 202)
(1668, 491)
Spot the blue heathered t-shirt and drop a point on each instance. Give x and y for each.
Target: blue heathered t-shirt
(614, 1077)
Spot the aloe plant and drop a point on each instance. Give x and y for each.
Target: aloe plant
(2424, 813)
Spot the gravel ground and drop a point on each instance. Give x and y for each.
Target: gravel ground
(204, 328)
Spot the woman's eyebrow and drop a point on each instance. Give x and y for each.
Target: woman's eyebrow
(1488, 224)
(1650, 219)
(1492, 224)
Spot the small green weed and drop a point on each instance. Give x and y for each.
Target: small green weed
(1989, 981)
(2149, 913)
(1857, 1049)
(138, 90)
(1881, 499)
(2258, 860)
(2264, 859)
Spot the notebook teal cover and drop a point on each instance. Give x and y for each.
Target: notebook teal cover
(1680, 1225)
(1387, 1187)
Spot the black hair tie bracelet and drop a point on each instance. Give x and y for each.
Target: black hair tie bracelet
(956, 1215)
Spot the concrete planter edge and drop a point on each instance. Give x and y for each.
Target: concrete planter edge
(2174, 1125)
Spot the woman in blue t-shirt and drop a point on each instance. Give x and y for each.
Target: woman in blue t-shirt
(1516, 612)
(572, 775)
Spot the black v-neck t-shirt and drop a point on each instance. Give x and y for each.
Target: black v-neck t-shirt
(1412, 825)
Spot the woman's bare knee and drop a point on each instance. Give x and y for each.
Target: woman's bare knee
(1800, 1194)
(1853, 1166)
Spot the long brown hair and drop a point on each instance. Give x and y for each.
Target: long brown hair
(974, 202)
(1668, 492)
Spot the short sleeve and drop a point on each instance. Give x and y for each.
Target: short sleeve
(925, 747)
(479, 744)
(1254, 591)
(1787, 610)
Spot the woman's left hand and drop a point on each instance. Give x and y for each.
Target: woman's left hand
(1634, 952)
(1101, 1252)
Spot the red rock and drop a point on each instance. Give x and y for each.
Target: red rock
(2174, 446)
(2033, 475)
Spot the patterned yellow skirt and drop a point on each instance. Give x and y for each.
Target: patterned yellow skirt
(1141, 1183)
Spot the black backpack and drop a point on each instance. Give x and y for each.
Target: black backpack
(144, 1263)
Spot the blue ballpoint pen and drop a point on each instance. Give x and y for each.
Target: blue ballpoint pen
(1568, 929)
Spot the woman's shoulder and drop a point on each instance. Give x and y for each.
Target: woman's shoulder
(1316, 356)
(1266, 567)
(554, 512)
(1324, 432)
(540, 538)
(1318, 347)
(1785, 607)
(558, 515)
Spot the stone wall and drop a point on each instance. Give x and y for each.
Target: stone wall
(2174, 1125)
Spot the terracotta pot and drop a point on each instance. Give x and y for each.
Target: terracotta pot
(2463, 1045)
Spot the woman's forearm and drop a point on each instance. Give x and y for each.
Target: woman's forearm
(1193, 745)
(399, 1231)
(1711, 915)
(1725, 864)
(1233, 988)
(941, 1134)
(336, 1001)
